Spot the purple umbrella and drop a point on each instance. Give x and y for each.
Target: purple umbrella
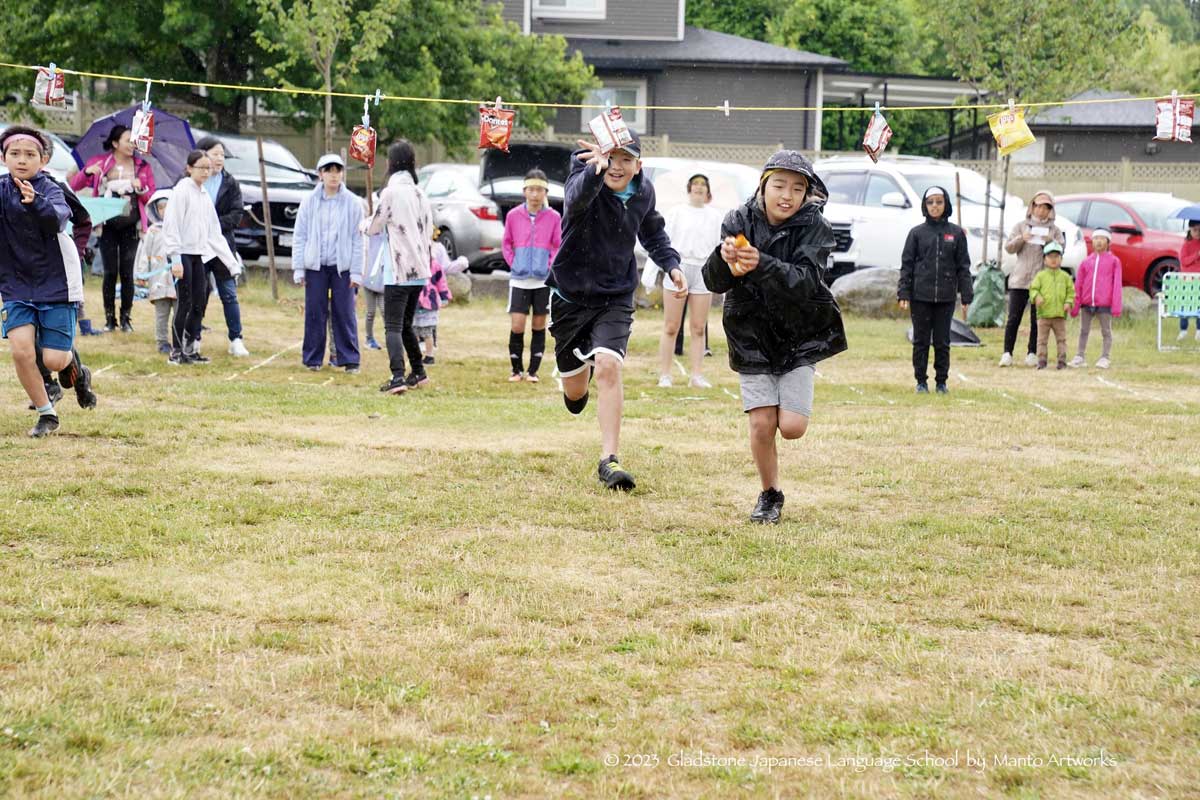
(168, 152)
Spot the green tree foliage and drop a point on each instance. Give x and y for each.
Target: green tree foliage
(745, 18)
(873, 35)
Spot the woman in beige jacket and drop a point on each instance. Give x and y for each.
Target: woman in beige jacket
(1026, 241)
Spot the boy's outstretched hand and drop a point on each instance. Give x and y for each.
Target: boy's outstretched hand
(27, 193)
(681, 284)
(593, 156)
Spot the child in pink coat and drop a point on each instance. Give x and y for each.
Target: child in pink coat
(1097, 296)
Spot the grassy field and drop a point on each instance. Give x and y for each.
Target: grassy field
(256, 581)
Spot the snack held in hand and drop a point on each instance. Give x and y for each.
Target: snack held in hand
(878, 134)
(740, 241)
(1010, 130)
(1173, 119)
(362, 144)
(49, 88)
(495, 127)
(610, 131)
(141, 130)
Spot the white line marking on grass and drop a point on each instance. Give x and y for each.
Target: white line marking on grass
(964, 378)
(682, 371)
(1006, 395)
(1040, 407)
(103, 370)
(1136, 393)
(264, 362)
(327, 382)
(731, 394)
(152, 375)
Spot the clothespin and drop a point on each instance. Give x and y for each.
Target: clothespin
(378, 95)
(1174, 95)
(1012, 109)
(726, 108)
(146, 102)
(876, 106)
(366, 111)
(53, 68)
(498, 102)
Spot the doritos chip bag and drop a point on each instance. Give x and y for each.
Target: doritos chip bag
(362, 144)
(1009, 129)
(878, 134)
(141, 130)
(495, 127)
(49, 88)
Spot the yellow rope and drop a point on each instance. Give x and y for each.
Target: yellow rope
(295, 90)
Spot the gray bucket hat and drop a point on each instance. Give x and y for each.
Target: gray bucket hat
(795, 161)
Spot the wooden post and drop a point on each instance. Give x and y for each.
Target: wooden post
(370, 189)
(266, 204)
(958, 196)
(987, 199)
(1003, 208)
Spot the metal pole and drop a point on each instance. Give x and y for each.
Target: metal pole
(266, 204)
(958, 196)
(1003, 204)
(987, 199)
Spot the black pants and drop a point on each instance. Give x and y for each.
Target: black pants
(118, 247)
(931, 320)
(399, 306)
(192, 291)
(1017, 300)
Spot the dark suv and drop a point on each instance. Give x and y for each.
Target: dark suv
(288, 183)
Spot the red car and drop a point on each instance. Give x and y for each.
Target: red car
(1145, 234)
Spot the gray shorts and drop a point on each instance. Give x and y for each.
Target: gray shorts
(792, 391)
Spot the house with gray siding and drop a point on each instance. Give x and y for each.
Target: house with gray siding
(644, 55)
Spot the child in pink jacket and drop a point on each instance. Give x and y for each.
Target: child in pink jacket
(532, 236)
(1097, 296)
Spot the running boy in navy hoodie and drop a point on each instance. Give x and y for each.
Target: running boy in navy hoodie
(608, 204)
(38, 288)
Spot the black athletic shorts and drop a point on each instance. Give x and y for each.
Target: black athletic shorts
(520, 301)
(580, 332)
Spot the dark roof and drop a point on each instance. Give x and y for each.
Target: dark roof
(699, 46)
(1129, 114)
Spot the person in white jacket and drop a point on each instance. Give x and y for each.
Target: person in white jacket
(192, 238)
(404, 213)
(695, 230)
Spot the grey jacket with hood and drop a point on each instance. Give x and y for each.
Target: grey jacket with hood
(1029, 254)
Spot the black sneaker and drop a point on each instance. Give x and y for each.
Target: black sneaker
(46, 425)
(178, 358)
(397, 385)
(768, 508)
(614, 477)
(576, 407)
(941, 389)
(417, 381)
(197, 358)
(427, 360)
(83, 387)
(53, 392)
(126, 326)
(922, 388)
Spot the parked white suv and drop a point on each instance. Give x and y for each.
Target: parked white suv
(883, 201)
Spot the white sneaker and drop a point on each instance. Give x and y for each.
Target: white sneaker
(237, 349)
(664, 382)
(1031, 360)
(1103, 363)
(699, 382)
(1006, 360)
(1183, 335)
(1077, 362)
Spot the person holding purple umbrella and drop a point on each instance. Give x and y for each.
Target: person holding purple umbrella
(119, 172)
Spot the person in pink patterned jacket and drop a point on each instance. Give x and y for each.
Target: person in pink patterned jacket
(1097, 296)
(532, 237)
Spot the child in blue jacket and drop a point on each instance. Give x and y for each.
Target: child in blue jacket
(39, 291)
(608, 205)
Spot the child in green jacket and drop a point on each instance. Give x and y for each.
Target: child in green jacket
(1053, 293)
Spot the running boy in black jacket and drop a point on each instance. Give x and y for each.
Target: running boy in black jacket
(934, 269)
(607, 205)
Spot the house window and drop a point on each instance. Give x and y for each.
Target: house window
(569, 9)
(626, 94)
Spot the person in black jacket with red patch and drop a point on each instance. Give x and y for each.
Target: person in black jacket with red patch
(935, 270)
(780, 318)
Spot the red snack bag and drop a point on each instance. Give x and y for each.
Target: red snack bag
(141, 130)
(878, 134)
(1173, 119)
(49, 88)
(495, 127)
(362, 144)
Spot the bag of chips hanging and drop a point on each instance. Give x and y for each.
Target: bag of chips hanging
(141, 130)
(495, 127)
(49, 88)
(878, 134)
(610, 131)
(1010, 131)
(362, 144)
(1173, 119)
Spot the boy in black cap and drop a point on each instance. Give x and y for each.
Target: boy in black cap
(780, 318)
(607, 205)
